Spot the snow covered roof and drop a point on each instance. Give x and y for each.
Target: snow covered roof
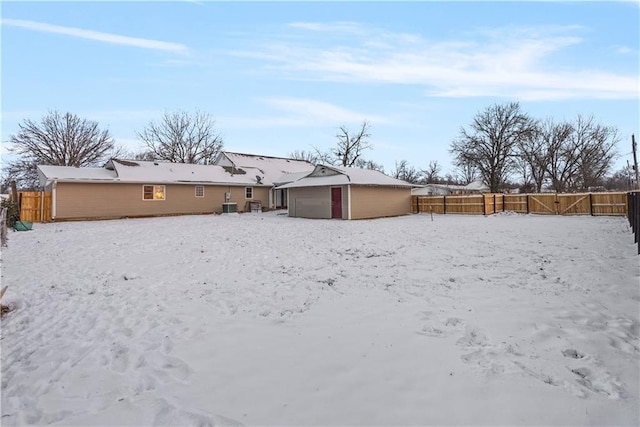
(165, 172)
(290, 177)
(72, 173)
(137, 171)
(324, 175)
(428, 189)
(477, 185)
(273, 168)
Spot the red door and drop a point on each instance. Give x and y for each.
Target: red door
(336, 202)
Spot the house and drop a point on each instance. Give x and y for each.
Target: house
(275, 170)
(347, 193)
(475, 187)
(128, 188)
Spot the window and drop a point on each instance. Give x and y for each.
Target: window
(248, 193)
(153, 192)
(199, 190)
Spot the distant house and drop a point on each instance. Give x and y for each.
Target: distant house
(128, 188)
(347, 193)
(475, 187)
(274, 170)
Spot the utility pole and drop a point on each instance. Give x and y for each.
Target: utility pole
(635, 158)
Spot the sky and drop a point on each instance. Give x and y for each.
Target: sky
(284, 76)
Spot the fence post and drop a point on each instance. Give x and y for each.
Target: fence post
(633, 213)
(484, 204)
(591, 204)
(630, 209)
(636, 214)
(42, 206)
(444, 204)
(3, 227)
(527, 199)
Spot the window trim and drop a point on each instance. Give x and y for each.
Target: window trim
(245, 193)
(153, 193)
(196, 191)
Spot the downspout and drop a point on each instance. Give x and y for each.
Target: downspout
(53, 200)
(348, 201)
(271, 191)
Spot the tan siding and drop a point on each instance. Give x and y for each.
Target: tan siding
(260, 194)
(366, 202)
(310, 202)
(108, 200)
(345, 202)
(374, 202)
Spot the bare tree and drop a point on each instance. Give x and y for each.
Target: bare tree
(369, 164)
(621, 180)
(598, 150)
(60, 140)
(307, 156)
(349, 149)
(541, 149)
(580, 154)
(431, 175)
(406, 172)
(465, 173)
(181, 137)
(560, 154)
(449, 178)
(491, 143)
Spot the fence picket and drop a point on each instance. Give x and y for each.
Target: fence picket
(35, 206)
(576, 204)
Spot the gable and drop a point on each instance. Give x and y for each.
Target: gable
(223, 160)
(272, 168)
(321, 170)
(324, 175)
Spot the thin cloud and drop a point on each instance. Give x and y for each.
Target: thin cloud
(319, 111)
(624, 50)
(98, 36)
(301, 112)
(510, 62)
(343, 27)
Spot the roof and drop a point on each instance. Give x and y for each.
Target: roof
(72, 173)
(427, 189)
(290, 177)
(324, 175)
(137, 171)
(272, 168)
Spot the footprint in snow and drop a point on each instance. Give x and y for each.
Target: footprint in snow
(440, 328)
(598, 380)
(473, 337)
(166, 368)
(120, 358)
(572, 353)
(168, 414)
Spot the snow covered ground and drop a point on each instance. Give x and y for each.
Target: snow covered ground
(262, 319)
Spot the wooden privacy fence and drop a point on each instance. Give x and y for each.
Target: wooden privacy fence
(542, 204)
(35, 206)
